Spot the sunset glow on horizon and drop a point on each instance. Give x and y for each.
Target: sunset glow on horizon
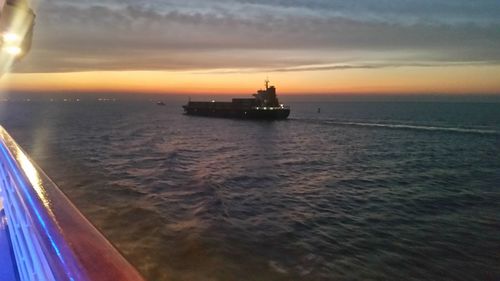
(445, 80)
(304, 47)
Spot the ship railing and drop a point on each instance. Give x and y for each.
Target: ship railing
(50, 239)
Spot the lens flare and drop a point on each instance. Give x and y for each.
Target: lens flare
(10, 37)
(13, 50)
(17, 21)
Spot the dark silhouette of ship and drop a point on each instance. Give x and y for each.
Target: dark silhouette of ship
(264, 105)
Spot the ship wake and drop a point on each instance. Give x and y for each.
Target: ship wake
(399, 126)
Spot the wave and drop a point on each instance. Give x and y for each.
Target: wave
(408, 127)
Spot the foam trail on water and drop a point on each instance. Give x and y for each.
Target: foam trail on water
(408, 127)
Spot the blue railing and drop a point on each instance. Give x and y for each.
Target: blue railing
(51, 240)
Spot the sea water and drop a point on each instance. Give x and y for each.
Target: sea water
(360, 191)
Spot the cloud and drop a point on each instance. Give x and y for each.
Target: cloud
(255, 34)
(372, 65)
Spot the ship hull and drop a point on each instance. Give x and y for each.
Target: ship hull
(275, 114)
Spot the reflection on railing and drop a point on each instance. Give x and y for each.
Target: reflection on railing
(51, 239)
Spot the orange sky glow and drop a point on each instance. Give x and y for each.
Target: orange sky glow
(398, 80)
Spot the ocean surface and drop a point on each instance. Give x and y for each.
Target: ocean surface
(360, 191)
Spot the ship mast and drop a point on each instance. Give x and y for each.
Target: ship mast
(267, 83)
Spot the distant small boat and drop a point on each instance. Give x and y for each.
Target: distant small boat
(160, 103)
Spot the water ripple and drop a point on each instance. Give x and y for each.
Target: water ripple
(317, 197)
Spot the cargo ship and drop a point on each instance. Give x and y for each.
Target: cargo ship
(263, 105)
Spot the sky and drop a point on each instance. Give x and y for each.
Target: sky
(231, 46)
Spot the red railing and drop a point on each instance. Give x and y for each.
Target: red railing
(51, 239)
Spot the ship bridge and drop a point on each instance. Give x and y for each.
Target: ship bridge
(267, 97)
